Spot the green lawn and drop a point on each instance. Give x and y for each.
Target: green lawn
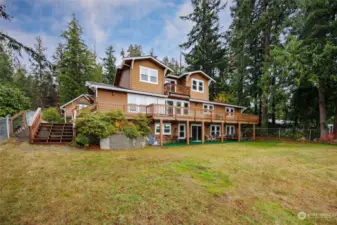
(231, 183)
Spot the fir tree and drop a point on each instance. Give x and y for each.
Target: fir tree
(134, 50)
(205, 41)
(77, 64)
(109, 64)
(44, 94)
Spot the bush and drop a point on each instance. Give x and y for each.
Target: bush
(82, 140)
(12, 100)
(95, 125)
(52, 115)
(131, 131)
(142, 124)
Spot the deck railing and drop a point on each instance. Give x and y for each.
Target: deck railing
(171, 88)
(34, 125)
(189, 113)
(156, 110)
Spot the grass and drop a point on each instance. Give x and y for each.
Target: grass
(232, 183)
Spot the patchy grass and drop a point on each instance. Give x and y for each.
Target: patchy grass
(233, 183)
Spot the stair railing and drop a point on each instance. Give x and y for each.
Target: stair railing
(17, 117)
(34, 124)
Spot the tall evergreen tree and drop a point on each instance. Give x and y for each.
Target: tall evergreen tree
(109, 64)
(205, 41)
(77, 64)
(44, 94)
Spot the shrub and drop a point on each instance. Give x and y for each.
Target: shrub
(52, 115)
(142, 124)
(95, 125)
(131, 131)
(114, 116)
(82, 140)
(12, 100)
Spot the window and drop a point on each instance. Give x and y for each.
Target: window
(82, 106)
(182, 131)
(208, 108)
(230, 130)
(148, 75)
(215, 130)
(197, 85)
(182, 108)
(229, 112)
(137, 103)
(166, 128)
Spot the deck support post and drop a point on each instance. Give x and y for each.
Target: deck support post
(188, 132)
(254, 134)
(222, 131)
(161, 132)
(239, 132)
(202, 132)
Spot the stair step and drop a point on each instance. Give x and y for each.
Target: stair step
(49, 133)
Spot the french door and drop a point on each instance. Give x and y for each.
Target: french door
(196, 132)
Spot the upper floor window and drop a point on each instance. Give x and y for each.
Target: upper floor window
(148, 75)
(197, 85)
(229, 111)
(208, 108)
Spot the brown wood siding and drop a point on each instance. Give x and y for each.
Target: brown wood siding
(198, 95)
(68, 109)
(125, 79)
(106, 99)
(136, 84)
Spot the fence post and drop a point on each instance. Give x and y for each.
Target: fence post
(8, 126)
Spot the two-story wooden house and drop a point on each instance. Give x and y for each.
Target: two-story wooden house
(179, 106)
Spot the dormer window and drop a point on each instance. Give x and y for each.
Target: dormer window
(148, 75)
(197, 85)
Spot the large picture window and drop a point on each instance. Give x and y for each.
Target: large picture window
(166, 128)
(197, 85)
(148, 75)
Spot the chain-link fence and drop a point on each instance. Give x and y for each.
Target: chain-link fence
(293, 134)
(4, 128)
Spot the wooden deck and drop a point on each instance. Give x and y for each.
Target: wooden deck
(173, 113)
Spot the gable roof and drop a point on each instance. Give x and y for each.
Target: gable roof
(82, 95)
(94, 86)
(198, 71)
(147, 57)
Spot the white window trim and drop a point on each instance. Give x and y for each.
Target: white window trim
(179, 131)
(228, 112)
(149, 80)
(233, 129)
(208, 109)
(215, 125)
(203, 85)
(158, 124)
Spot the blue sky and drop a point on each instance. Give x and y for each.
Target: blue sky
(151, 23)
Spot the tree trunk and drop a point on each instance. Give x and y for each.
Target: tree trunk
(335, 123)
(322, 110)
(265, 88)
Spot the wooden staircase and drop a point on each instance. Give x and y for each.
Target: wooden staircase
(53, 133)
